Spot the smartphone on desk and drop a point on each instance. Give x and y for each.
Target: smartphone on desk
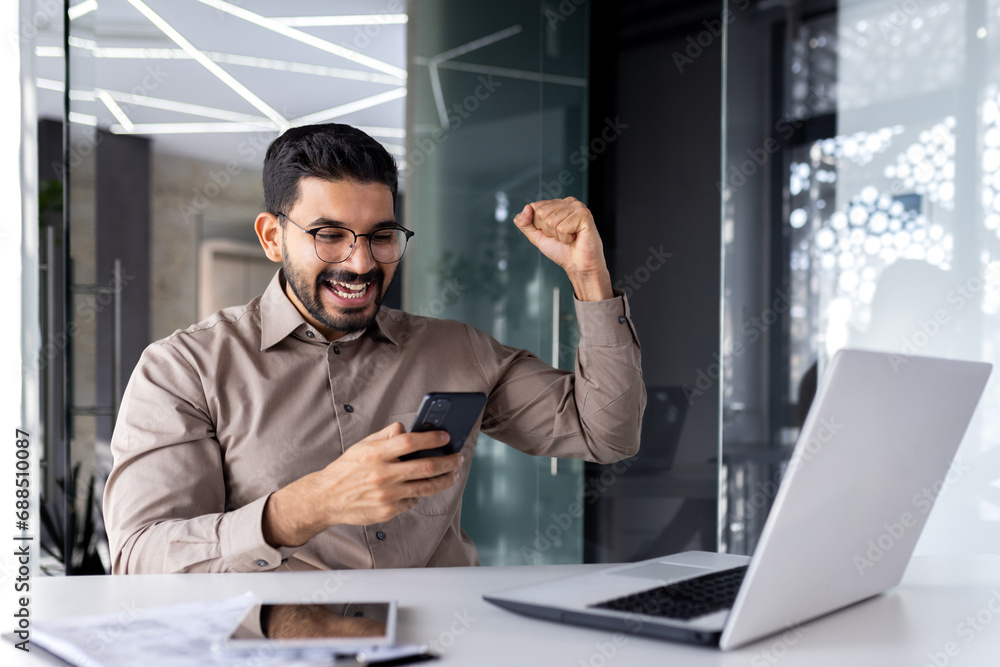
(455, 412)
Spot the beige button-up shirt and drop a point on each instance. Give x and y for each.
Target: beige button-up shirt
(220, 415)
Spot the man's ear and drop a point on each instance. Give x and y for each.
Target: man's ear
(269, 233)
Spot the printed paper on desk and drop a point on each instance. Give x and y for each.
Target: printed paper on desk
(175, 636)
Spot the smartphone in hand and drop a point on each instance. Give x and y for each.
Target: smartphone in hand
(452, 411)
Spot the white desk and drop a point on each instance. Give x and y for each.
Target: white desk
(444, 606)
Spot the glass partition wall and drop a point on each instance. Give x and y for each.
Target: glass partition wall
(497, 107)
(861, 205)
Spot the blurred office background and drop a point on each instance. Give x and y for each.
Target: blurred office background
(773, 180)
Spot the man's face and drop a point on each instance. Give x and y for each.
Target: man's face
(337, 298)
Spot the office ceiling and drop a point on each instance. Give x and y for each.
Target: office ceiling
(217, 80)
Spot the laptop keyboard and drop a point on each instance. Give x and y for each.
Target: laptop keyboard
(685, 599)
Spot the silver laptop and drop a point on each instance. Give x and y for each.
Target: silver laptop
(874, 452)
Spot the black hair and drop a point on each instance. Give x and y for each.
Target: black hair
(332, 152)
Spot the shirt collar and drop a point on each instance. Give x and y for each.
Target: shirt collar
(279, 318)
(388, 325)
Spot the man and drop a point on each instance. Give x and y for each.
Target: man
(268, 436)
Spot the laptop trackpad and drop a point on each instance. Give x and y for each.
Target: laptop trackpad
(664, 571)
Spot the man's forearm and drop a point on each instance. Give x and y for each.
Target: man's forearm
(610, 393)
(211, 542)
(591, 287)
(286, 521)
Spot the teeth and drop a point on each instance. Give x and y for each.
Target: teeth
(357, 289)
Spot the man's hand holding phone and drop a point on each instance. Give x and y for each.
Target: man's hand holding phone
(367, 484)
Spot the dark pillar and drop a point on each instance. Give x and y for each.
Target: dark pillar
(123, 230)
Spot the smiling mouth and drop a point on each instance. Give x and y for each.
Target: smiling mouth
(348, 290)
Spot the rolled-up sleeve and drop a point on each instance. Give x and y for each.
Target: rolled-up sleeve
(165, 500)
(594, 413)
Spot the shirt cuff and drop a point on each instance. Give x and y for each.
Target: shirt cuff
(607, 322)
(244, 548)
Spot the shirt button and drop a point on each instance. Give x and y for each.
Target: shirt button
(348, 407)
(621, 319)
(380, 534)
(261, 563)
(336, 350)
(310, 334)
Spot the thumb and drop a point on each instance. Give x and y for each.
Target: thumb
(526, 217)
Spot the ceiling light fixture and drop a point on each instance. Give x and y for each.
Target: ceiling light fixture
(184, 107)
(52, 84)
(526, 75)
(194, 128)
(478, 43)
(116, 110)
(344, 109)
(146, 53)
(237, 59)
(81, 43)
(82, 9)
(435, 61)
(154, 103)
(207, 63)
(391, 132)
(306, 68)
(438, 95)
(82, 118)
(304, 37)
(324, 21)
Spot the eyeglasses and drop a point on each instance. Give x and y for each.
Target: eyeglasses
(336, 244)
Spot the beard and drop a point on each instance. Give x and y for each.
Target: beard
(347, 320)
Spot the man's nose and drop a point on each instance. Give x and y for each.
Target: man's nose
(361, 260)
